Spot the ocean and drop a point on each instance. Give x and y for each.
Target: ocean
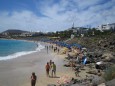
(10, 49)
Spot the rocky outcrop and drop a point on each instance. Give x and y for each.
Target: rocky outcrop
(97, 44)
(110, 83)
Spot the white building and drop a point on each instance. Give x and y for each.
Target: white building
(80, 30)
(106, 26)
(27, 34)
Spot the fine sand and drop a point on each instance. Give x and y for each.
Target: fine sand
(17, 72)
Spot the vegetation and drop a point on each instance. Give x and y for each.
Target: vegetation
(110, 74)
(88, 32)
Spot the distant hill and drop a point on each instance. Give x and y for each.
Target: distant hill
(14, 31)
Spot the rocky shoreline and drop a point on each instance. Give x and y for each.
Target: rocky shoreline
(99, 49)
(98, 45)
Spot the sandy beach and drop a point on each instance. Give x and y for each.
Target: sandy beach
(17, 72)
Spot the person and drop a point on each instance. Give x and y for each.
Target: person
(47, 49)
(50, 62)
(53, 67)
(58, 50)
(52, 46)
(47, 69)
(33, 79)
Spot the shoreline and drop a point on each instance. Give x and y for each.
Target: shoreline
(36, 62)
(20, 69)
(21, 53)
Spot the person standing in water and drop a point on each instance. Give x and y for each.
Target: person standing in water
(33, 79)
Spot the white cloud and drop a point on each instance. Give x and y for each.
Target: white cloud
(92, 15)
(60, 15)
(27, 20)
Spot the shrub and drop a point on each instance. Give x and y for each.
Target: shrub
(109, 73)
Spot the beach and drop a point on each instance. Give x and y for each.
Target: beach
(17, 71)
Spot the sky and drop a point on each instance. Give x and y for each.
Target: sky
(54, 15)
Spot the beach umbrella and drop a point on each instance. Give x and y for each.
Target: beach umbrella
(76, 45)
(68, 46)
(65, 49)
(63, 44)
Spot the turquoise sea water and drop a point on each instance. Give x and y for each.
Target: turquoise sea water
(14, 48)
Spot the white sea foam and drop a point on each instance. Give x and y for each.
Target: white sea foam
(39, 47)
(15, 55)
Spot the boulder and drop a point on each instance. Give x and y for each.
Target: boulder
(112, 47)
(97, 80)
(105, 45)
(110, 83)
(107, 56)
(103, 84)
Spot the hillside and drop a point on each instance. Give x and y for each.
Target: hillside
(14, 31)
(95, 43)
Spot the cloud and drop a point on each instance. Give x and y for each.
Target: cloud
(75, 11)
(60, 15)
(27, 20)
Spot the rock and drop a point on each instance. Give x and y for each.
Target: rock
(110, 83)
(111, 47)
(103, 84)
(113, 54)
(105, 45)
(97, 80)
(112, 43)
(112, 60)
(77, 85)
(51, 85)
(107, 56)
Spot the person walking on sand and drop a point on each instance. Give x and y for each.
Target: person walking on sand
(58, 50)
(53, 68)
(47, 69)
(33, 79)
(50, 63)
(47, 49)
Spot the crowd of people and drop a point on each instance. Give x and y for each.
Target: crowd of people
(50, 67)
(50, 72)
